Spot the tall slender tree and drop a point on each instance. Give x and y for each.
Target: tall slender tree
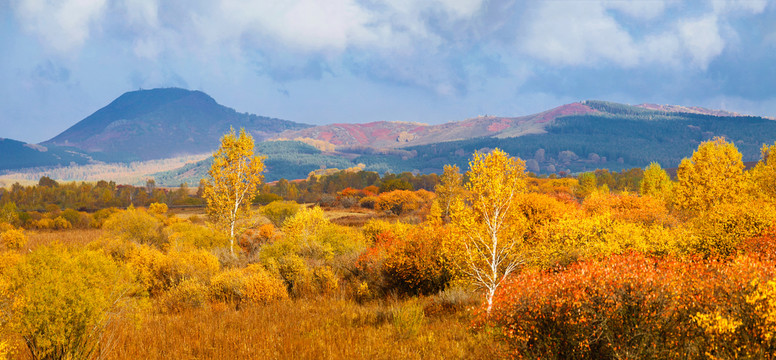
(491, 226)
(234, 180)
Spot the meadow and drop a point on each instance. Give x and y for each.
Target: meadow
(598, 266)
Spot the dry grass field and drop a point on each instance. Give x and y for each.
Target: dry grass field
(320, 328)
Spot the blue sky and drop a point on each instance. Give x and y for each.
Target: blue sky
(429, 61)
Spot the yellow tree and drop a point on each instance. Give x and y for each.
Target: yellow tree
(714, 175)
(450, 187)
(235, 177)
(488, 220)
(764, 173)
(656, 182)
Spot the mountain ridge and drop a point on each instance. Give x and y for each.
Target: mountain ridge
(165, 123)
(160, 123)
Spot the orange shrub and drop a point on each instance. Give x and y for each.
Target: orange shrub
(631, 208)
(398, 201)
(416, 263)
(634, 306)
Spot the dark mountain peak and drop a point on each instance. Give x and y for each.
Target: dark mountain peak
(159, 123)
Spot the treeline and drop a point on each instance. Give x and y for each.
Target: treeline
(92, 196)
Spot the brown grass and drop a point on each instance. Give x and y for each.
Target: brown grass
(72, 237)
(298, 329)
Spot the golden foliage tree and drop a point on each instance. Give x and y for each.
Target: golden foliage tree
(656, 182)
(235, 177)
(764, 173)
(491, 226)
(714, 175)
(450, 187)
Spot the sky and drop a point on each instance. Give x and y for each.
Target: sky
(344, 61)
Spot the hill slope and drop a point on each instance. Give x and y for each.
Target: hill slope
(384, 134)
(16, 154)
(573, 138)
(162, 123)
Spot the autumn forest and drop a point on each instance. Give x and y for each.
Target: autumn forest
(490, 261)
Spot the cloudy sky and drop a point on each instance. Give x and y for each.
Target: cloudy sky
(433, 61)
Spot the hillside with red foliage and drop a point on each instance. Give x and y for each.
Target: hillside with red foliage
(388, 134)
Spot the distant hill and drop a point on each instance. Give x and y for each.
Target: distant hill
(385, 134)
(582, 136)
(614, 136)
(573, 138)
(16, 154)
(162, 123)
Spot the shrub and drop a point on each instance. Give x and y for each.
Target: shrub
(188, 294)
(135, 225)
(77, 219)
(640, 209)
(158, 209)
(278, 211)
(398, 201)
(158, 271)
(418, 262)
(262, 287)
(252, 239)
(60, 223)
(65, 301)
(228, 287)
(721, 229)
(368, 202)
(250, 285)
(102, 215)
(13, 239)
(198, 236)
(264, 199)
(634, 306)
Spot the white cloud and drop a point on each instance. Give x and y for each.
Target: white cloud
(577, 33)
(62, 25)
(638, 9)
(750, 6)
(701, 39)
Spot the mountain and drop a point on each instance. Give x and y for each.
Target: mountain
(16, 154)
(162, 123)
(572, 138)
(385, 134)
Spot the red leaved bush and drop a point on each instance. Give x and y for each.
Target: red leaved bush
(635, 306)
(415, 264)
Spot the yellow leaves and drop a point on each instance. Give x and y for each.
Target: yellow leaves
(5, 350)
(656, 183)
(135, 225)
(714, 324)
(764, 300)
(13, 239)
(235, 177)
(714, 175)
(488, 219)
(398, 201)
(65, 299)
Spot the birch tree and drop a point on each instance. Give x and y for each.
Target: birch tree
(488, 221)
(234, 180)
